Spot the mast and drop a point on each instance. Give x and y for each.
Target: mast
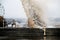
(2, 12)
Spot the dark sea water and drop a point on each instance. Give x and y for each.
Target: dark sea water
(32, 34)
(44, 38)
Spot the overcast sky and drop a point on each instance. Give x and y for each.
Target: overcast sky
(53, 8)
(14, 8)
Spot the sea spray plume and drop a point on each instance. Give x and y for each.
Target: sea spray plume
(33, 10)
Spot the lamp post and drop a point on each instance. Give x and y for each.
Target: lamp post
(3, 15)
(2, 12)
